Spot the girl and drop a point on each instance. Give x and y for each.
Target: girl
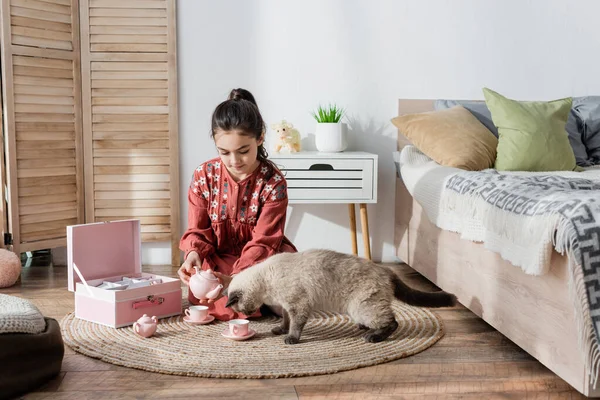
(236, 203)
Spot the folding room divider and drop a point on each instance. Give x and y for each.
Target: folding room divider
(89, 91)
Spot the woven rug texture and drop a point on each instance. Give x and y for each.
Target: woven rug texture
(330, 343)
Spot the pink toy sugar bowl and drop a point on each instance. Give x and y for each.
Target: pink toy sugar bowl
(145, 326)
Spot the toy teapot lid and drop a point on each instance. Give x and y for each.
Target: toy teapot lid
(145, 319)
(208, 274)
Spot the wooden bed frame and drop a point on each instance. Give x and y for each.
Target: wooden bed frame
(535, 312)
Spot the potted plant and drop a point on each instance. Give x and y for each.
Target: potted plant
(329, 134)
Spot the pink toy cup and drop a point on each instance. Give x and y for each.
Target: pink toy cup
(197, 313)
(238, 327)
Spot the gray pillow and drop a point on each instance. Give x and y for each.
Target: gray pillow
(587, 110)
(477, 108)
(482, 113)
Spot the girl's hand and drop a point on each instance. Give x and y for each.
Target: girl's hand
(186, 270)
(225, 281)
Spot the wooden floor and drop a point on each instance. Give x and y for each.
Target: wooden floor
(473, 361)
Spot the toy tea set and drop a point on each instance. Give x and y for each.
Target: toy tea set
(105, 274)
(205, 286)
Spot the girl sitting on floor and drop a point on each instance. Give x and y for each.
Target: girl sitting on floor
(237, 202)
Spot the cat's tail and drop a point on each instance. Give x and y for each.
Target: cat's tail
(418, 298)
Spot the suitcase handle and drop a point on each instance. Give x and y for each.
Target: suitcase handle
(149, 302)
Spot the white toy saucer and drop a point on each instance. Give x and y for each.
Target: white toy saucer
(208, 320)
(226, 334)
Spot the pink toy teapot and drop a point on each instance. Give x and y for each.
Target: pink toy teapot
(205, 285)
(145, 326)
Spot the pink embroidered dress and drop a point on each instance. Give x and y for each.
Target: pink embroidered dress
(234, 225)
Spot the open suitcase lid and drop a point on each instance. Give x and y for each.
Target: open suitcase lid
(103, 249)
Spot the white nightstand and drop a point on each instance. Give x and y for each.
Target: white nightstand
(348, 177)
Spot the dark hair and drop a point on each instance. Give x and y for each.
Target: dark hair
(240, 112)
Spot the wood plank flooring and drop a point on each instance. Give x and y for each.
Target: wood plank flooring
(473, 361)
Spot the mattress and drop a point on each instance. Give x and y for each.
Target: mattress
(423, 178)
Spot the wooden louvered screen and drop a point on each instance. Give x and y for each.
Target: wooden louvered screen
(42, 120)
(129, 88)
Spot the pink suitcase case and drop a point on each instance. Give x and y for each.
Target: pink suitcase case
(110, 251)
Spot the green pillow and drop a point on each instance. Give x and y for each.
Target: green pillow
(532, 134)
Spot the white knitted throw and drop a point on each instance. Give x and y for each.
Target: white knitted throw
(19, 316)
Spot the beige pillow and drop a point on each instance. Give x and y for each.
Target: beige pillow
(452, 137)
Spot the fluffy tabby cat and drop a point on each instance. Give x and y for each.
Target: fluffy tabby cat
(328, 281)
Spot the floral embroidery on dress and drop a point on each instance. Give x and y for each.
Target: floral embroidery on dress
(280, 191)
(247, 190)
(212, 183)
(274, 189)
(223, 211)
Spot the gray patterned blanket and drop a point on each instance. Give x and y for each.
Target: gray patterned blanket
(524, 216)
(517, 211)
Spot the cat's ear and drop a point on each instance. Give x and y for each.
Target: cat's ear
(233, 298)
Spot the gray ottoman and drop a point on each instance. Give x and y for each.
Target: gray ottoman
(31, 347)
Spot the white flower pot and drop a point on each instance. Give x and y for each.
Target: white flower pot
(330, 137)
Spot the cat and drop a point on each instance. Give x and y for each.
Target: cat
(328, 281)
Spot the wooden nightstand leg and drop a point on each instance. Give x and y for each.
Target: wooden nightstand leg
(352, 213)
(364, 221)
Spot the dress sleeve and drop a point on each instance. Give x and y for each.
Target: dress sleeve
(268, 233)
(199, 235)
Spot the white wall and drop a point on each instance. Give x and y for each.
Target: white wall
(364, 55)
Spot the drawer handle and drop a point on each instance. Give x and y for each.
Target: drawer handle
(321, 167)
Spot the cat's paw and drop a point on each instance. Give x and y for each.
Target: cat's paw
(291, 340)
(279, 330)
(372, 337)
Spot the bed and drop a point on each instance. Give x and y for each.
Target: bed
(535, 312)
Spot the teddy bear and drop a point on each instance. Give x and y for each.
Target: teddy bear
(287, 138)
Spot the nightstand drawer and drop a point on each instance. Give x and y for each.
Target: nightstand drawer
(328, 180)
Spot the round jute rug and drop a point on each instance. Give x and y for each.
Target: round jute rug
(329, 343)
